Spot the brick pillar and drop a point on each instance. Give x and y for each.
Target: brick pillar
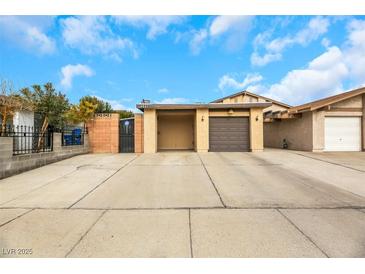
(114, 133)
(104, 133)
(138, 133)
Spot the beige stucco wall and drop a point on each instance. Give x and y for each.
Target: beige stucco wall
(318, 130)
(202, 130)
(150, 131)
(297, 132)
(256, 129)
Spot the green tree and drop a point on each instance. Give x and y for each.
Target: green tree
(124, 113)
(102, 107)
(52, 105)
(82, 112)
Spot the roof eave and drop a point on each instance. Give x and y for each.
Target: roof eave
(142, 107)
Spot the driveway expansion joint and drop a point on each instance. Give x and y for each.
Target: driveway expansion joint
(211, 180)
(17, 217)
(86, 232)
(361, 208)
(302, 232)
(37, 188)
(104, 181)
(328, 162)
(190, 236)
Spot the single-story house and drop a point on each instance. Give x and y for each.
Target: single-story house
(335, 123)
(203, 127)
(232, 123)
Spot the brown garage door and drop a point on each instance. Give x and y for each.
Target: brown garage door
(229, 134)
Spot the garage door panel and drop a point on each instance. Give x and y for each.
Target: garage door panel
(229, 134)
(342, 133)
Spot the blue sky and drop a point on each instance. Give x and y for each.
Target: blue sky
(185, 59)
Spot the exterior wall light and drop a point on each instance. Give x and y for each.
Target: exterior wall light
(202, 118)
(257, 118)
(230, 111)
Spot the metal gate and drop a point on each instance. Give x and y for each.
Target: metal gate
(126, 135)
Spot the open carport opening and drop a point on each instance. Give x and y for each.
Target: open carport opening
(175, 130)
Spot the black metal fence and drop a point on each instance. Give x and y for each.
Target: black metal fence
(27, 139)
(73, 137)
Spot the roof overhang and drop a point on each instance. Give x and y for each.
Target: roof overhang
(142, 107)
(318, 104)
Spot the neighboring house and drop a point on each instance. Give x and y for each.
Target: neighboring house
(23, 124)
(334, 123)
(23, 118)
(217, 126)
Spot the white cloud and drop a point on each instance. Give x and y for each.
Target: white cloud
(225, 23)
(197, 41)
(228, 82)
(93, 35)
(230, 31)
(322, 77)
(117, 104)
(355, 51)
(156, 25)
(28, 33)
(37, 38)
(163, 90)
(173, 101)
(70, 71)
(325, 42)
(331, 72)
(316, 27)
(258, 60)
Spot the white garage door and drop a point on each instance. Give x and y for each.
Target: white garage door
(342, 134)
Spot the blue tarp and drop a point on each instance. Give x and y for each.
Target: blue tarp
(74, 138)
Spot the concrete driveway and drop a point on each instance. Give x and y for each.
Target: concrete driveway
(183, 204)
